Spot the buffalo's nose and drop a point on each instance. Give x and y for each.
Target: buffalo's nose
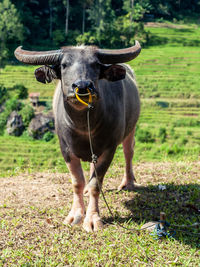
(82, 85)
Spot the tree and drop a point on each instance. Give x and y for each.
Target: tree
(136, 9)
(114, 31)
(66, 4)
(132, 10)
(11, 28)
(101, 16)
(85, 5)
(50, 18)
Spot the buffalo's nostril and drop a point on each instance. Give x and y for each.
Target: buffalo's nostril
(90, 85)
(74, 85)
(82, 85)
(87, 83)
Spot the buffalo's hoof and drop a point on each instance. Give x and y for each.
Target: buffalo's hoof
(128, 186)
(92, 223)
(74, 218)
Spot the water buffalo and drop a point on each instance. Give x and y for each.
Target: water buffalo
(113, 118)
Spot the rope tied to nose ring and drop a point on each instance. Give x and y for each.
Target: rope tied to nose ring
(80, 100)
(93, 156)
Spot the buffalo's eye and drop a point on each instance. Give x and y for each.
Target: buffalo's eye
(94, 64)
(64, 65)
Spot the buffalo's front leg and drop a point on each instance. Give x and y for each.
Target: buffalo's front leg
(128, 148)
(78, 182)
(92, 221)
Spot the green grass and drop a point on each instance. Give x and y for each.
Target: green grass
(24, 154)
(12, 75)
(168, 72)
(170, 34)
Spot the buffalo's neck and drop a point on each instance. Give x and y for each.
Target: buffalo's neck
(78, 119)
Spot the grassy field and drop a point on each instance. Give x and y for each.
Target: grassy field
(36, 195)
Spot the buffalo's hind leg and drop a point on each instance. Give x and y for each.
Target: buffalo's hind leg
(78, 183)
(92, 221)
(128, 148)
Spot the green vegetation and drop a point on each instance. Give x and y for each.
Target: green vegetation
(11, 29)
(3, 94)
(12, 101)
(44, 25)
(27, 113)
(24, 75)
(10, 105)
(25, 153)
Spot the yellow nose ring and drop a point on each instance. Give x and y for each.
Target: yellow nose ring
(80, 100)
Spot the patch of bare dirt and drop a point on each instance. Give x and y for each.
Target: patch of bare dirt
(38, 189)
(190, 114)
(54, 189)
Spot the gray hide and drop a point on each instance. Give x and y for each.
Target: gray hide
(113, 118)
(114, 115)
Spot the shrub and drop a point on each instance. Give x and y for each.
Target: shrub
(48, 106)
(21, 91)
(189, 132)
(86, 38)
(3, 120)
(58, 37)
(174, 149)
(48, 136)
(183, 141)
(12, 104)
(27, 113)
(186, 122)
(3, 94)
(162, 134)
(172, 131)
(121, 32)
(144, 136)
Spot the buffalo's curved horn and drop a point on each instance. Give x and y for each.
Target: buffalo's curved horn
(108, 56)
(38, 57)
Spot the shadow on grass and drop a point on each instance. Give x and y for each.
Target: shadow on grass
(157, 40)
(163, 40)
(181, 203)
(185, 30)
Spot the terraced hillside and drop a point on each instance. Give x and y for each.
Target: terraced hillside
(168, 75)
(12, 75)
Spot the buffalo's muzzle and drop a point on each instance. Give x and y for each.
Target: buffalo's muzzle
(83, 86)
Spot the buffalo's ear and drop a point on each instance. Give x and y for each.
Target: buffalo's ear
(113, 73)
(47, 74)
